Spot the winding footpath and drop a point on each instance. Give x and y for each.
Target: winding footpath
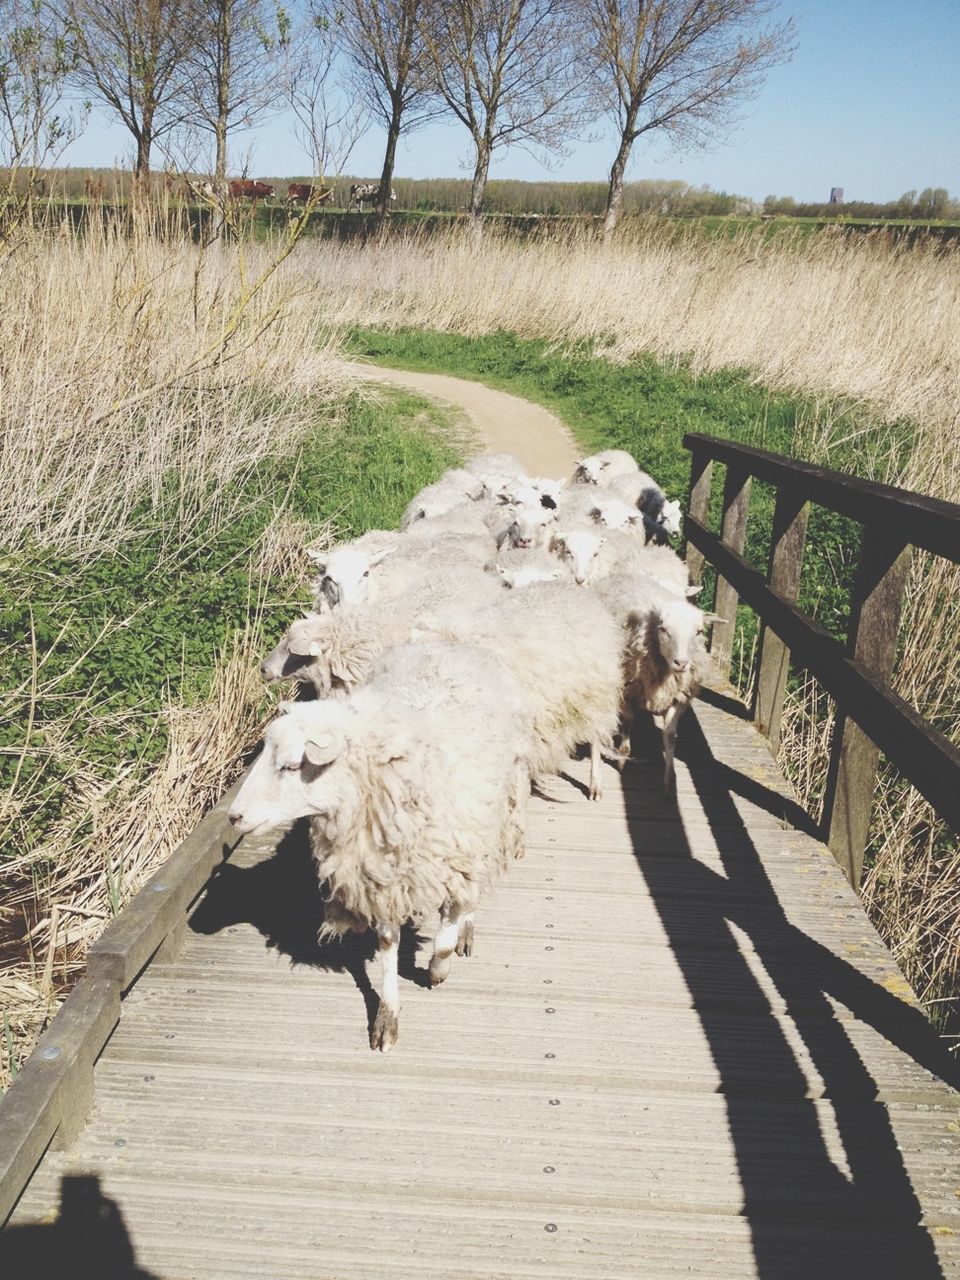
(503, 422)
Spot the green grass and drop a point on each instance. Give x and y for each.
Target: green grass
(358, 471)
(646, 406)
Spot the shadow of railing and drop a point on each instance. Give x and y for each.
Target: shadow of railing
(756, 1062)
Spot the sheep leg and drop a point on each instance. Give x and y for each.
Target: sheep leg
(465, 940)
(444, 944)
(626, 725)
(671, 720)
(386, 1027)
(596, 772)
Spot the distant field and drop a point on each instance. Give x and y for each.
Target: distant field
(268, 218)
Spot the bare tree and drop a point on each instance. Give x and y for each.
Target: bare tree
(36, 57)
(330, 119)
(232, 67)
(383, 41)
(132, 57)
(678, 67)
(509, 70)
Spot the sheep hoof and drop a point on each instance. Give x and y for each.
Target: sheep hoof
(439, 970)
(596, 791)
(386, 1029)
(465, 941)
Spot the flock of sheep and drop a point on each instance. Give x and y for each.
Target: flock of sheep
(511, 620)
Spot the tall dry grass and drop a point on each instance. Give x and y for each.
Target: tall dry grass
(135, 375)
(828, 315)
(855, 317)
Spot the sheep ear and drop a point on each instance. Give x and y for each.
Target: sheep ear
(284, 708)
(319, 558)
(693, 592)
(713, 617)
(382, 555)
(322, 748)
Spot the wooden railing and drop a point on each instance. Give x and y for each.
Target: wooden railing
(870, 717)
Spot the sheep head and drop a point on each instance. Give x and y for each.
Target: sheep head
(675, 631)
(301, 770)
(578, 550)
(344, 574)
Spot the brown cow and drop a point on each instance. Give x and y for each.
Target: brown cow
(248, 189)
(301, 192)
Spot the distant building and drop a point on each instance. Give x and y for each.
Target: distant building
(836, 195)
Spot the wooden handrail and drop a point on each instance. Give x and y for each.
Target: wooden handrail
(929, 523)
(870, 716)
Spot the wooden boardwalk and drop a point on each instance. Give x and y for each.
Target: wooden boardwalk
(680, 1050)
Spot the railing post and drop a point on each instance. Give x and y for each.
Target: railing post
(786, 561)
(698, 505)
(872, 640)
(736, 503)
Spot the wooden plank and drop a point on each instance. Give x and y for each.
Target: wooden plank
(933, 524)
(51, 1095)
(786, 560)
(698, 505)
(127, 944)
(872, 640)
(736, 506)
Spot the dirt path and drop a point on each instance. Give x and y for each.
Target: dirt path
(504, 423)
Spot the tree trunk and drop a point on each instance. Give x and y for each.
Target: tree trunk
(386, 174)
(479, 185)
(140, 186)
(615, 188)
(225, 36)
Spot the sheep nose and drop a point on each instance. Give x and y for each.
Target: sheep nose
(680, 664)
(263, 671)
(580, 579)
(235, 816)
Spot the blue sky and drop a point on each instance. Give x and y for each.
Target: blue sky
(870, 102)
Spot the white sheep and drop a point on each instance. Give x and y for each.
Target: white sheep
(352, 577)
(664, 658)
(601, 468)
(519, 568)
(661, 517)
(624, 553)
(454, 487)
(333, 650)
(586, 505)
(528, 527)
(564, 648)
(578, 550)
(415, 786)
(344, 572)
